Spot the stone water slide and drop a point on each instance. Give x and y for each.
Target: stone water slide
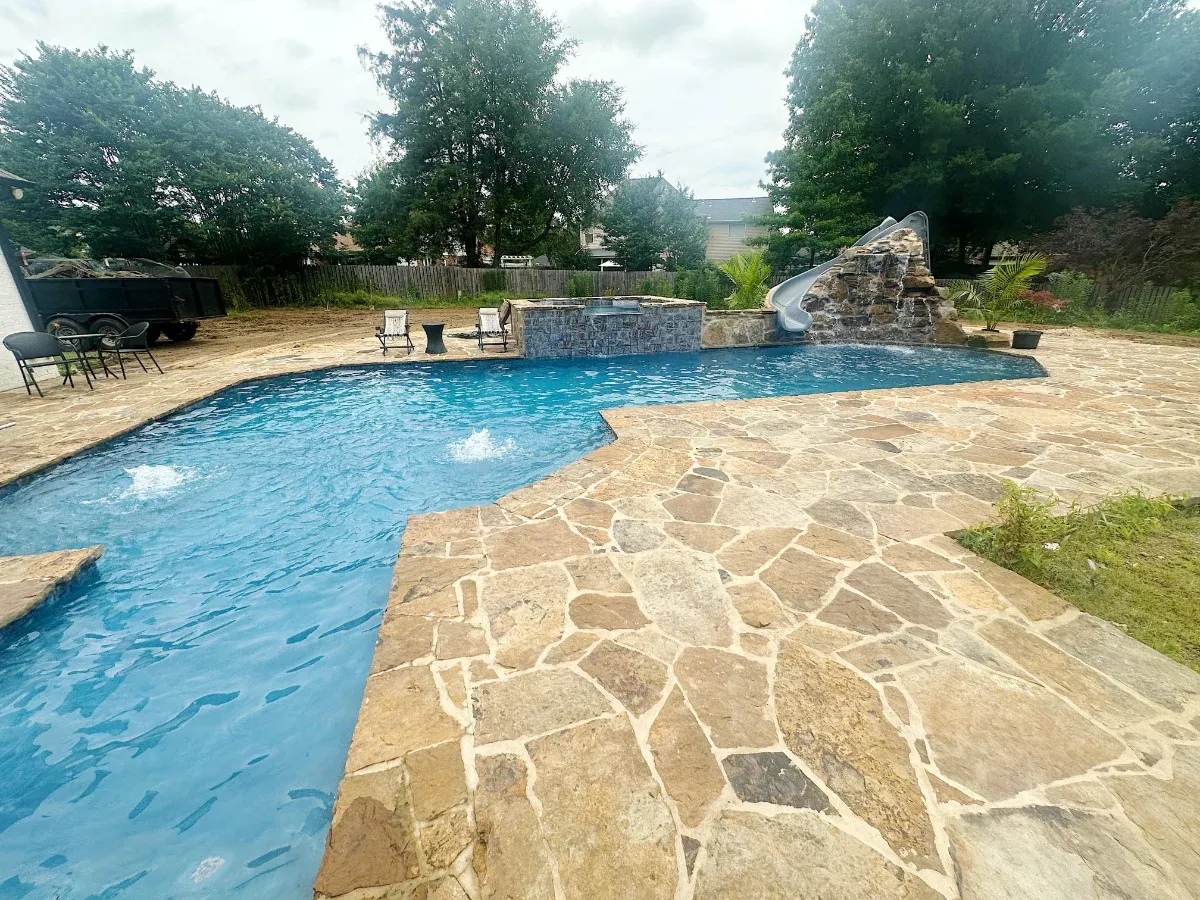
(881, 288)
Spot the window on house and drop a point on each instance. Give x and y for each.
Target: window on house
(589, 237)
(737, 232)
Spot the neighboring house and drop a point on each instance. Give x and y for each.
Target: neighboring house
(15, 304)
(591, 241)
(727, 226)
(724, 217)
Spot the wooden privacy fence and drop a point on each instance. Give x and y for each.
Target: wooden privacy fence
(1142, 302)
(310, 285)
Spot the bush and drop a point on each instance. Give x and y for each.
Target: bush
(749, 273)
(655, 286)
(707, 284)
(1184, 311)
(1074, 289)
(579, 286)
(494, 280)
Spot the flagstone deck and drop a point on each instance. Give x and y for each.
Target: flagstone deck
(734, 655)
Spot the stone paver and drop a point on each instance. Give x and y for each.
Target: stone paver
(25, 581)
(733, 653)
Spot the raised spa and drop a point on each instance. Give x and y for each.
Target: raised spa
(606, 326)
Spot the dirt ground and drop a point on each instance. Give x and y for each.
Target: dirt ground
(263, 327)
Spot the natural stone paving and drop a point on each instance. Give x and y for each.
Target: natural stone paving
(25, 581)
(734, 655)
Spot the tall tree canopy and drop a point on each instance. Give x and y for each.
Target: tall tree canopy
(488, 146)
(125, 165)
(994, 116)
(649, 222)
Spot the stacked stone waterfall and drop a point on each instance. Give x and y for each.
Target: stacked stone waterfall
(882, 291)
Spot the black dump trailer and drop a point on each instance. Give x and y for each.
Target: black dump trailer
(172, 306)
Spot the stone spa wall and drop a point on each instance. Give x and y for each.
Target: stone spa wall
(605, 326)
(882, 291)
(740, 328)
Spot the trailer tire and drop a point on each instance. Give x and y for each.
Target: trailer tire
(109, 326)
(180, 331)
(65, 325)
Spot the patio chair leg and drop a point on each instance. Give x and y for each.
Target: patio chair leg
(137, 357)
(121, 360)
(155, 361)
(27, 377)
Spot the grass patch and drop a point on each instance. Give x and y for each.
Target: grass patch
(1132, 560)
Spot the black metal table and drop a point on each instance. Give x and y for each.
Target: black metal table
(433, 337)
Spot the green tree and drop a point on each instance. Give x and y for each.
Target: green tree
(808, 221)
(488, 145)
(563, 250)
(994, 116)
(649, 222)
(125, 165)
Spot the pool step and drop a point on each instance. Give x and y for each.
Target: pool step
(25, 581)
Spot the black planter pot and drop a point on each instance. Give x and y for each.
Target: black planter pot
(1026, 340)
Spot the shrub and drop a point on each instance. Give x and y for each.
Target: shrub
(1043, 300)
(655, 286)
(708, 284)
(1073, 288)
(1184, 311)
(749, 273)
(579, 286)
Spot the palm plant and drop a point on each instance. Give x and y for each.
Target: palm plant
(998, 289)
(749, 273)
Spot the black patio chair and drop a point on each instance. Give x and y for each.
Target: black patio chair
(130, 342)
(37, 350)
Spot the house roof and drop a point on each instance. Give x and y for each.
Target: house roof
(733, 209)
(9, 178)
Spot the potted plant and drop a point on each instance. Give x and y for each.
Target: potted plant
(998, 289)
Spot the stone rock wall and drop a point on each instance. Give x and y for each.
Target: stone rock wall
(882, 292)
(739, 328)
(553, 329)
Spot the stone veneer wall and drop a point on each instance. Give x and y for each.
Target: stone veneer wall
(551, 329)
(882, 292)
(740, 328)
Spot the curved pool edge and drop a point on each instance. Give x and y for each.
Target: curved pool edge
(17, 478)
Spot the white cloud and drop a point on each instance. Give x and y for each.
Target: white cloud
(703, 79)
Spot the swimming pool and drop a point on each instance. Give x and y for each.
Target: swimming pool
(175, 724)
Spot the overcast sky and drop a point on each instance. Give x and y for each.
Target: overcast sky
(703, 79)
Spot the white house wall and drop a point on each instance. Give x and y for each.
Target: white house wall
(13, 317)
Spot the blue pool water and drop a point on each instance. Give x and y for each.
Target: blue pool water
(175, 724)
